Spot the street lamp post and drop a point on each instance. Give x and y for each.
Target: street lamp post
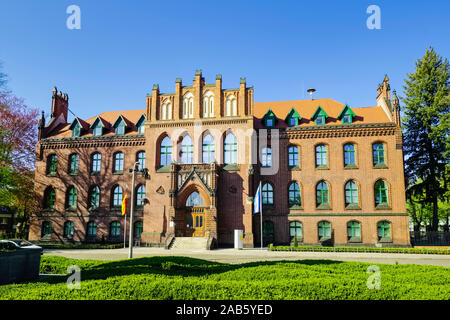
(130, 244)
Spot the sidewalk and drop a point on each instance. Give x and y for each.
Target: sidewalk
(233, 256)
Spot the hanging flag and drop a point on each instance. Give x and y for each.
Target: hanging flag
(124, 204)
(257, 201)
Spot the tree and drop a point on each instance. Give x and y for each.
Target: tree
(426, 127)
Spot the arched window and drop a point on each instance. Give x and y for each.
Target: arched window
(381, 195)
(96, 163)
(141, 159)
(208, 149)
(140, 195)
(118, 162)
(294, 195)
(322, 195)
(166, 110)
(69, 230)
(187, 150)
(351, 193)
(293, 156)
(49, 198)
(46, 230)
(230, 149)
(117, 197)
(94, 198)
(188, 106)
(71, 198)
(114, 229)
(138, 229)
(266, 157)
(324, 230)
(384, 230)
(295, 229)
(91, 229)
(231, 106)
(267, 194)
(163, 111)
(321, 156)
(349, 155)
(52, 164)
(166, 152)
(378, 154)
(208, 105)
(73, 163)
(353, 229)
(194, 200)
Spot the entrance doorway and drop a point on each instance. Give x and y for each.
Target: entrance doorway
(195, 216)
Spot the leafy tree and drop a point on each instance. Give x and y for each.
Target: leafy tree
(426, 131)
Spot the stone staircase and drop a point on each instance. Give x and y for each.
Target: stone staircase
(189, 243)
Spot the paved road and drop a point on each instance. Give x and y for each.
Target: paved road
(234, 256)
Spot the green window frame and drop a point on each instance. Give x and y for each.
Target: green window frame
(166, 152)
(293, 156)
(267, 194)
(230, 149)
(353, 229)
(266, 157)
(114, 229)
(117, 197)
(351, 193)
(321, 155)
(97, 130)
(138, 229)
(384, 229)
(140, 195)
(69, 230)
(295, 229)
(76, 131)
(292, 122)
(320, 120)
(118, 162)
(322, 193)
(49, 197)
(208, 146)
(74, 160)
(96, 160)
(349, 154)
(46, 229)
(72, 198)
(381, 190)
(52, 164)
(120, 129)
(141, 129)
(92, 229)
(294, 195)
(187, 150)
(378, 154)
(141, 160)
(94, 197)
(324, 229)
(347, 118)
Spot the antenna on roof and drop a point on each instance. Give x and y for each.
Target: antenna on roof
(311, 91)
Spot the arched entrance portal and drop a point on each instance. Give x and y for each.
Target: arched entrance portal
(195, 215)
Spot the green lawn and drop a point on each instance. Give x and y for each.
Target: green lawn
(187, 278)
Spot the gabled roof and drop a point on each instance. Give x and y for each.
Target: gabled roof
(345, 110)
(318, 111)
(292, 114)
(142, 118)
(105, 124)
(83, 124)
(269, 115)
(121, 118)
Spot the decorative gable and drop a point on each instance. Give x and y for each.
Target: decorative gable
(293, 118)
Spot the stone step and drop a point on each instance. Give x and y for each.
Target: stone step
(190, 243)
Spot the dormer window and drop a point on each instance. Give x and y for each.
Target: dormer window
(120, 130)
(320, 116)
(292, 122)
(98, 130)
(269, 120)
(269, 123)
(76, 131)
(121, 125)
(141, 125)
(346, 115)
(293, 118)
(347, 119)
(320, 120)
(77, 127)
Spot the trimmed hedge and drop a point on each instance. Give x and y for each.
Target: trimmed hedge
(47, 245)
(364, 250)
(178, 278)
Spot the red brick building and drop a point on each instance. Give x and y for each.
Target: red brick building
(329, 173)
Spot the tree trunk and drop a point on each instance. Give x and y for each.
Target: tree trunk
(435, 223)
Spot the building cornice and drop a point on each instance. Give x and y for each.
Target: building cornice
(203, 122)
(88, 142)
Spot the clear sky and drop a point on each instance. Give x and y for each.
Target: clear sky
(281, 47)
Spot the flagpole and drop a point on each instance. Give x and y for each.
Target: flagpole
(130, 242)
(260, 214)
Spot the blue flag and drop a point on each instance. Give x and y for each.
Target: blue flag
(257, 202)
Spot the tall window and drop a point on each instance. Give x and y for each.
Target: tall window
(120, 129)
(46, 230)
(208, 105)
(49, 198)
(72, 198)
(68, 230)
(208, 149)
(117, 196)
(293, 156)
(324, 229)
(166, 152)
(52, 164)
(188, 106)
(73, 163)
(98, 129)
(187, 150)
(140, 195)
(231, 106)
(378, 153)
(266, 157)
(321, 155)
(267, 193)
(94, 197)
(381, 193)
(138, 229)
(96, 161)
(349, 154)
(322, 196)
(92, 229)
(230, 149)
(351, 193)
(353, 229)
(118, 162)
(141, 160)
(114, 229)
(166, 110)
(384, 229)
(76, 131)
(294, 195)
(295, 229)
(194, 200)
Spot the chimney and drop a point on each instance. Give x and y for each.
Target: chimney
(60, 104)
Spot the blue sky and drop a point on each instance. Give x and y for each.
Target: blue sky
(281, 47)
